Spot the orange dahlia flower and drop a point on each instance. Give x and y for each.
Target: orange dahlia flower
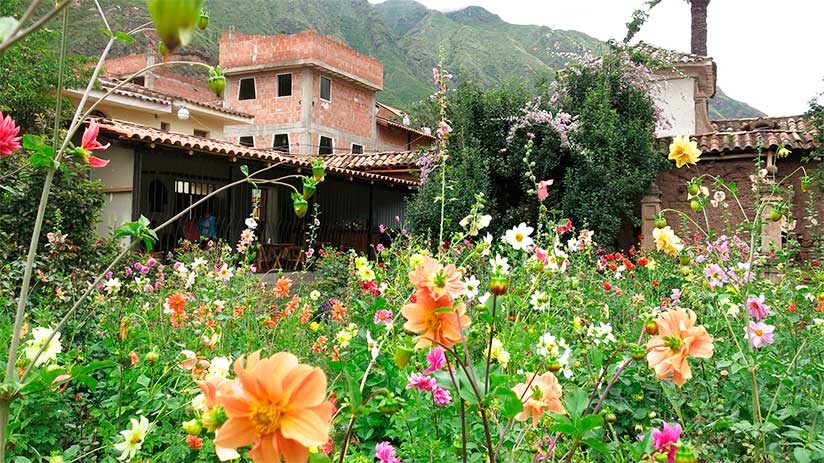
(437, 280)
(678, 339)
(544, 393)
(432, 320)
(278, 406)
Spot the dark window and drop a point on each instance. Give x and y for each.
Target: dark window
(165, 126)
(284, 84)
(281, 142)
(357, 149)
(201, 133)
(325, 88)
(139, 80)
(247, 140)
(325, 145)
(247, 89)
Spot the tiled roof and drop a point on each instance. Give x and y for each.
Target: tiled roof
(374, 161)
(748, 135)
(142, 133)
(390, 123)
(138, 91)
(669, 56)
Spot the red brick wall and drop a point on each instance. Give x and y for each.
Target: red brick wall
(267, 107)
(186, 87)
(125, 65)
(673, 186)
(238, 50)
(399, 139)
(350, 109)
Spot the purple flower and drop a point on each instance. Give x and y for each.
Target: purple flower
(382, 228)
(379, 247)
(177, 265)
(128, 271)
(436, 359)
(385, 453)
(758, 309)
(421, 382)
(145, 270)
(151, 262)
(109, 275)
(759, 334)
(441, 396)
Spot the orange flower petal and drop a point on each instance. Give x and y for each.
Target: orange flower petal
(305, 427)
(309, 388)
(293, 450)
(266, 450)
(236, 432)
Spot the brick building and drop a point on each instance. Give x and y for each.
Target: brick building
(289, 98)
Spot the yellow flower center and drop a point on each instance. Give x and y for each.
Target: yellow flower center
(519, 236)
(136, 438)
(265, 416)
(759, 332)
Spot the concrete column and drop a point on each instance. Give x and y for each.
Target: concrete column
(770, 231)
(306, 108)
(650, 207)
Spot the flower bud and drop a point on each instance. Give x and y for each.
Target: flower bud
(498, 284)
(299, 204)
(318, 170)
(175, 20)
(203, 21)
(152, 356)
(310, 185)
(192, 427)
(217, 81)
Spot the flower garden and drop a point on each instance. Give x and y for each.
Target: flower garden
(535, 344)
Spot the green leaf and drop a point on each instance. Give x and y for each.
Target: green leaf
(597, 445)
(123, 37)
(589, 423)
(575, 403)
(7, 24)
(32, 142)
(511, 405)
(563, 425)
(802, 455)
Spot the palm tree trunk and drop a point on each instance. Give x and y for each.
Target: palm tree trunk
(698, 10)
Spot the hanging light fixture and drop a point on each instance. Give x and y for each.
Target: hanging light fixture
(183, 113)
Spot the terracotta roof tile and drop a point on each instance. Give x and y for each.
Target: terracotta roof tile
(137, 91)
(369, 161)
(669, 56)
(747, 135)
(129, 131)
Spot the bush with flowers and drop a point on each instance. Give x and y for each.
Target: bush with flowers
(534, 344)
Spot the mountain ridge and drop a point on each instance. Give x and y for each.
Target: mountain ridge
(405, 35)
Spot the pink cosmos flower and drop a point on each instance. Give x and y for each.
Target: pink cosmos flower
(441, 396)
(759, 334)
(385, 453)
(422, 382)
(716, 277)
(9, 141)
(89, 143)
(758, 309)
(436, 359)
(542, 188)
(382, 316)
(664, 439)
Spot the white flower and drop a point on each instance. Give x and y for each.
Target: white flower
(482, 300)
(539, 301)
(112, 286)
(500, 264)
(133, 439)
(472, 285)
(573, 244)
(224, 272)
(199, 403)
(586, 237)
(198, 263)
(601, 334)
(474, 223)
(549, 345)
(518, 237)
(251, 223)
(314, 295)
(219, 305)
(372, 345)
(220, 366)
(39, 337)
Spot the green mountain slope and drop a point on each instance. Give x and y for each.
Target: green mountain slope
(480, 47)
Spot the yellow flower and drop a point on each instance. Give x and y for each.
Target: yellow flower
(314, 326)
(683, 151)
(416, 260)
(366, 273)
(666, 241)
(361, 262)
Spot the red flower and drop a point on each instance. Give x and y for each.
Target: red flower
(607, 286)
(194, 442)
(792, 307)
(9, 141)
(89, 143)
(642, 261)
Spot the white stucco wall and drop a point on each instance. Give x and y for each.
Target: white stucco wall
(676, 99)
(118, 186)
(195, 121)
